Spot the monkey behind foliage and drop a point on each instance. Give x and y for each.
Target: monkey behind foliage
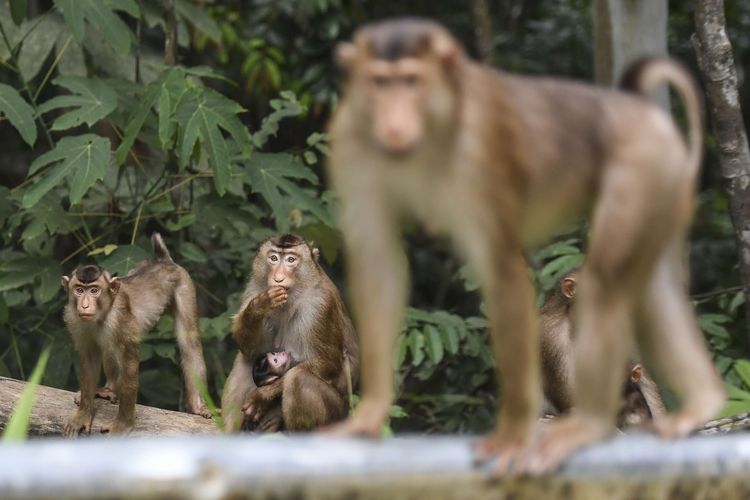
(108, 316)
(497, 162)
(641, 401)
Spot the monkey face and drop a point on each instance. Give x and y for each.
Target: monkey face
(91, 290)
(282, 265)
(278, 361)
(271, 366)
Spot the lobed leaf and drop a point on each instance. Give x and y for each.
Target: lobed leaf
(93, 98)
(18, 112)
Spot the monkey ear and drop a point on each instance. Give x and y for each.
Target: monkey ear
(65, 281)
(346, 54)
(568, 287)
(316, 254)
(447, 49)
(114, 285)
(636, 373)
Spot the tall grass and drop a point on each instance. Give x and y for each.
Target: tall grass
(18, 425)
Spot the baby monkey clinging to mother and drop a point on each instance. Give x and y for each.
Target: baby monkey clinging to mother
(496, 161)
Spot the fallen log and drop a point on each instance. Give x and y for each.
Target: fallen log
(52, 407)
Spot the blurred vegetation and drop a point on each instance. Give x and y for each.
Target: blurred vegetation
(103, 143)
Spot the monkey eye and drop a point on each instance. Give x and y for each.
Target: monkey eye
(410, 80)
(290, 259)
(94, 290)
(380, 81)
(274, 258)
(79, 290)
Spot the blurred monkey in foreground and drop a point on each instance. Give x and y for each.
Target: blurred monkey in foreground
(108, 316)
(291, 306)
(640, 402)
(496, 161)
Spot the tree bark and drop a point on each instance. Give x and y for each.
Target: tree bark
(52, 407)
(480, 12)
(714, 52)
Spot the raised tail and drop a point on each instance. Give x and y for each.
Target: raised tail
(160, 249)
(647, 74)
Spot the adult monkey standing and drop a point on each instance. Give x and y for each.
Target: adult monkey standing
(291, 305)
(496, 161)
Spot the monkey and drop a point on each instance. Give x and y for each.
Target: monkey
(271, 366)
(640, 401)
(496, 162)
(291, 305)
(107, 317)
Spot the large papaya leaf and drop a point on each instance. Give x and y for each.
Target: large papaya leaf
(101, 13)
(18, 112)
(82, 160)
(271, 175)
(204, 113)
(198, 18)
(286, 107)
(123, 259)
(93, 98)
(37, 46)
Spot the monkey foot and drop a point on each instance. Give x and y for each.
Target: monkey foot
(367, 421)
(117, 427)
(687, 419)
(201, 410)
(101, 393)
(507, 450)
(559, 439)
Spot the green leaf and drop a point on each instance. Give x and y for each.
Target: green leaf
(50, 281)
(123, 259)
(82, 160)
(433, 344)
(199, 19)
(193, 252)
(271, 174)
(37, 46)
(93, 98)
(166, 351)
(205, 113)
(136, 121)
(100, 13)
(23, 270)
(18, 426)
(4, 311)
(47, 214)
(711, 324)
(286, 107)
(18, 112)
(60, 365)
(415, 341)
(18, 11)
(183, 222)
(742, 368)
(400, 357)
(449, 337)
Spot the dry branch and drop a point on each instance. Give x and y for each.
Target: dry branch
(52, 407)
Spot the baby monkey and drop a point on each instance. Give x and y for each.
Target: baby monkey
(271, 366)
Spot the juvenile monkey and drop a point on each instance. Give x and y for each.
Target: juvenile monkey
(496, 161)
(108, 316)
(640, 401)
(291, 306)
(271, 366)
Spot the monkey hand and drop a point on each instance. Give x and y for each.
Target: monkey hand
(367, 420)
(257, 405)
(79, 422)
(272, 298)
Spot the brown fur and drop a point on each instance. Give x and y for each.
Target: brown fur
(298, 310)
(496, 161)
(109, 319)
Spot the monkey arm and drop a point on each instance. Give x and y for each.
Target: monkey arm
(247, 326)
(260, 400)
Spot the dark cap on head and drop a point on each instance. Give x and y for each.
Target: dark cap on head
(88, 274)
(287, 240)
(398, 38)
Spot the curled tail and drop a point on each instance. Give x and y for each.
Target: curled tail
(646, 75)
(160, 249)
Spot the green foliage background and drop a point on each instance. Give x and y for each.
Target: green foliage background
(102, 144)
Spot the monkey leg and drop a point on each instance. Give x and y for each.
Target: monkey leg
(272, 421)
(82, 419)
(128, 386)
(515, 346)
(191, 350)
(672, 342)
(307, 402)
(236, 392)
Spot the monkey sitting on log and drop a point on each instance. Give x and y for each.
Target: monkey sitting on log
(290, 305)
(108, 316)
(496, 162)
(640, 402)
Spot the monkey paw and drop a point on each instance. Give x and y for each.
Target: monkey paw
(79, 423)
(367, 420)
(559, 439)
(507, 447)
(101, 393)
(201, 410)
(117, 427)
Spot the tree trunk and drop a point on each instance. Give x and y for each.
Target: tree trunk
(480, 12)
(714, 53)
(625, 31)
(52, 407)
